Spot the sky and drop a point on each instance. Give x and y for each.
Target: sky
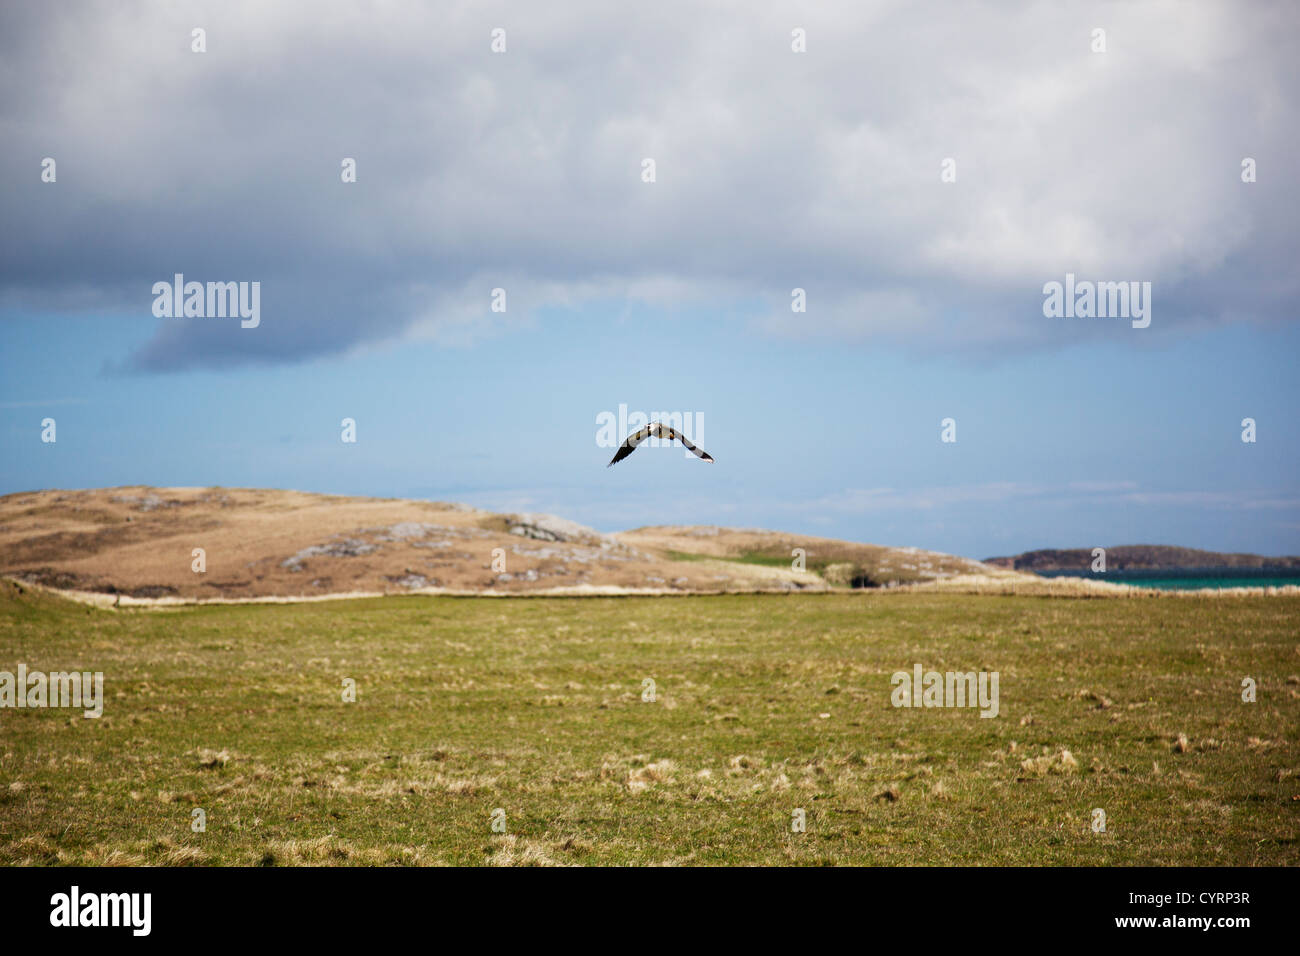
(921, 177)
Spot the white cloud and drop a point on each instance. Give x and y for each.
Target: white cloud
(868, 500)
(775, 169)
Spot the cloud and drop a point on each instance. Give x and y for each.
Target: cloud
(1102, 486)
(521, 170)
(1215, 499)
(866, 500)
(869, 500)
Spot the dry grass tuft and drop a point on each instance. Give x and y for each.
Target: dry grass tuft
(512, 850)
(652, 773)
(1061, 762)
(212, 759)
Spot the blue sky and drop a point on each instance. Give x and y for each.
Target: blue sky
(819, 169)
(1098, 443)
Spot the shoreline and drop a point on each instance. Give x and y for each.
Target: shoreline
(991, 586)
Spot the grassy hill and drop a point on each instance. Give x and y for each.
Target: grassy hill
(839, 562)
(139, 543)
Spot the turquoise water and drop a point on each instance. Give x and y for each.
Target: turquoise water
(1183, 579)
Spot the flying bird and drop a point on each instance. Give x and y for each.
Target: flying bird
(658, 430)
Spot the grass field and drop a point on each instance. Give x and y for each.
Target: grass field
(764, 704)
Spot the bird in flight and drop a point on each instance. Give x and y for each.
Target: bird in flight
(658, 430)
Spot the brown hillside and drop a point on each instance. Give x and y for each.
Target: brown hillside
(138, 542)
(840, 562)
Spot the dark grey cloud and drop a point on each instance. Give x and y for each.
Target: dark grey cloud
(521, 170)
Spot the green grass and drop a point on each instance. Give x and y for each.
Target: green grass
(692, 556)
(777, 558)
(781, 560)
(534, 706)
(747, 557)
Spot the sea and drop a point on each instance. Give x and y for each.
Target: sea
(1184, 579)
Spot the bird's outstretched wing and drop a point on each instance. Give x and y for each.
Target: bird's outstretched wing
(629, 444)
(664, 431)
(658, 430)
